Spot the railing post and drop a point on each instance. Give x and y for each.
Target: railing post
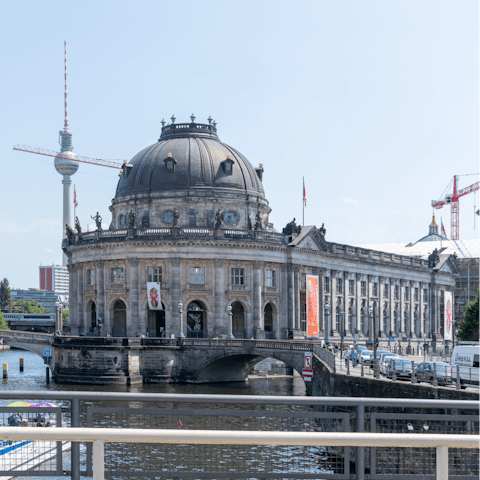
(75, 445)
(360, 460)
(98, 460)
(361, 369)
(457, 383)
(435, 379)
(442, 462)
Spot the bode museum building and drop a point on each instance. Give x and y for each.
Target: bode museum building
(190, 213)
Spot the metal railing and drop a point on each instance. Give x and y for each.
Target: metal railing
(99, 436)
(341, 448)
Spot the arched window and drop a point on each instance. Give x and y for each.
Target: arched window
(238, 325)
(337, 319)
(119, 319)
(170, 163)
(93, 316)
(196, 319)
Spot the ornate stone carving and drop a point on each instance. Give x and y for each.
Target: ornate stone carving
(358, 276)
(175, 261)
(134, 262)
(381, 280)
(402, 283)
(219, 262)
(370, 278)
(99, 263)
(257, 265)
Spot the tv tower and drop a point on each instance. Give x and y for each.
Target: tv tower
(64, 165)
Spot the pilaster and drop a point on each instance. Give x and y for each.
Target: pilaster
(402, 307)
(257, 298)
(220, 327)
(135, 325)
(358, 304)
(176, 296)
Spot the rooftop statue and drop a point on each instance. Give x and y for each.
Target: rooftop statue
(218, 219)
(292, 228)
(132, 218)
(433, 259)
(175, 217)
(323, 230)
(70, 234)
(78, 228)
(98, 221)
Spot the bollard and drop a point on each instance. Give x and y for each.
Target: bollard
(394, 372)
(47, 375)
(435, 379)
(361, 369)
(458, 385)
(5, 370)
(414, 378)
(21, 364)
(348, 367)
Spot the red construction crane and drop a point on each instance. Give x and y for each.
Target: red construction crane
(453, 201)
(79, 158)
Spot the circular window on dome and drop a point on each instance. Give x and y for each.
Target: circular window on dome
(231, 218)
(167, 216)
(121, 220)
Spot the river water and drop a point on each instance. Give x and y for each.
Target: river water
(33, 379)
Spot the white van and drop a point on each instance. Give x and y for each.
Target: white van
(466, 357)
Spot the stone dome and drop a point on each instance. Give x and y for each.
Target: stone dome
(189, 157)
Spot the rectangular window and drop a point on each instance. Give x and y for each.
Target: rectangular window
(385, 290)
(351, 287)
(117, 275)
(363, 288)
(91, 276)
(407, 292)
(270, 278)
(374, 289)
(425, 295)
(154, 274)
(303, 281)
(339, 285)
(396, 292)
(326, 284)
(237, 276)
(416, 294)
(192, 219)
(197, 275)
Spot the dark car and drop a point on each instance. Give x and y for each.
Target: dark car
(427, 371)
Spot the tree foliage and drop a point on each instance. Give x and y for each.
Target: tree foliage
(468, 329)
(3, 323)
(29, 306)
(65, 316)
(5, 295)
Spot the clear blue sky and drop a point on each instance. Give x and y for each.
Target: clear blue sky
(374, 102)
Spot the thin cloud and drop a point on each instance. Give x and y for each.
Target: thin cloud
(350, 201)
(39, 227)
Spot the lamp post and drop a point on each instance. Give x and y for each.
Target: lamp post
(230, 315)
(57, 321)
(180, 311)
(342, 329)
(327, 314)
(371, 314)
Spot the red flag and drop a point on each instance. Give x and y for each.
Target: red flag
(75, 197)
(443, 230)
(304, 193)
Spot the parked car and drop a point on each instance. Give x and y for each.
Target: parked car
(426, 372)
(401, 366)
(383, 356)
(366, 357)
(379, 352)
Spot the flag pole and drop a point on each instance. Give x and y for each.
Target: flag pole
(74, 204)
(303, 204)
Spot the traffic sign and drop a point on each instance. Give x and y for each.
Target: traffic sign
(3, 341)
(391, 338)
(47, 352)
(356, 337)
(307, 374)
(308, 360)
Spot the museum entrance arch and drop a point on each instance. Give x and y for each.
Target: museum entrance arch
(119, 319)
(269, 320)
(238, 320)
(156, 322)
(91, 316)
(196, 319)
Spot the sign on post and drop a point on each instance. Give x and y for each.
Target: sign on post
(47, 352)
(3, 341)
(356, 337)
(391, 338)
(308, 360)
(307, 374)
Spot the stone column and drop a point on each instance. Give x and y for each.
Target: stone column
(257, 300)
(101, 300)
(74, 320)
(381, 282)
(333, 303)
(391, 330)
(346, 305)
(370, 319)
(298, 306)
(358, 302)
(422, 325)
(412, 310)
(402, 307)
(283, 313)
(176, 291)
(134, 326)
(82, 323)
(321, 305)
(219, 314)
(291, 297)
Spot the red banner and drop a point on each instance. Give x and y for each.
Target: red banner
(312, 305)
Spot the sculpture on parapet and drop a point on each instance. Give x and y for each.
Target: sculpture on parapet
(258, 222)
(218, 219)
(175, 217)
(433, 259)
(70, 234)
(98, 221)
(323, 230)
(292, 228)
(78, 228)
(132, 218)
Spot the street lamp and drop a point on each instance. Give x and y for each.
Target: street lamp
(327, 313)
(180, 311)
(342, 329)
(230, 315)
(371, 314)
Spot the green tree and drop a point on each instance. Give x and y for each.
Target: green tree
(468, 329)
(28, 307)
(3, 323)
(65, 316)
(5, 295)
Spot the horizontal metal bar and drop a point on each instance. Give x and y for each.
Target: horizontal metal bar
(251, 475)
(30, 473)
(217, 413)
(232, 437)
(426, 416)
(244, 399)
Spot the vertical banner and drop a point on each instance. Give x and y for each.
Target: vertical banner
(153, 294)
(312, 305)
(448, 316)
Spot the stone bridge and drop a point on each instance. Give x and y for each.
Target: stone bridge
(111, 360)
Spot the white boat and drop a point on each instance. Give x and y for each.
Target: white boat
(21, 456)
